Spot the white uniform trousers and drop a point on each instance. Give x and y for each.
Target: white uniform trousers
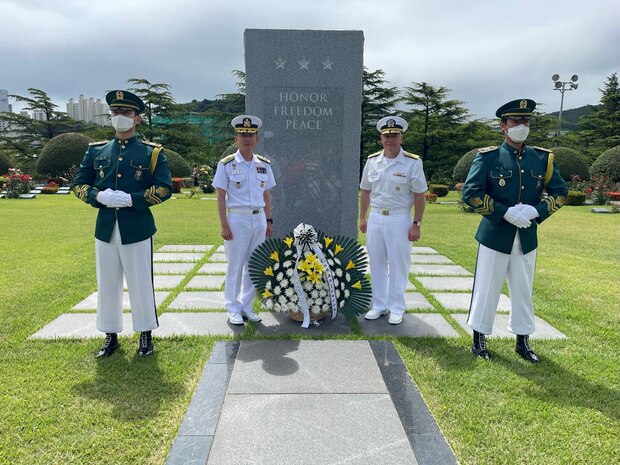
(389, 253)
(135, 261)
(491, 268)
(248, 233)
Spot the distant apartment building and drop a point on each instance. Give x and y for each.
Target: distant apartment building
(89, 110)
(4, 101)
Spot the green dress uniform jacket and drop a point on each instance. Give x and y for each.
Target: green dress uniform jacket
(501, 177)
(124, 164)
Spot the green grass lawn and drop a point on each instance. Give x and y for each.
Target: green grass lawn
(59, 405)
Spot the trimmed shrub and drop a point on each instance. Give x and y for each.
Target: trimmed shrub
(430, 198)
(61, 153)
(5, 163)
(232, 148)
(461, 169)
(440, 190)
(178, 166)
(575, 198)
(177, 184)
(570, 162)
(607, 164)
(49, 190)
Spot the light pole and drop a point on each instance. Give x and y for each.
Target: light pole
(563, 86)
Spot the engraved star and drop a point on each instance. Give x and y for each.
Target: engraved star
(327, 64)
(279, 63)
(303, 63)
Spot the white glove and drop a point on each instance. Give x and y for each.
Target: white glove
(106, 197)
(515, 217)
(122, 199)
(527, 211)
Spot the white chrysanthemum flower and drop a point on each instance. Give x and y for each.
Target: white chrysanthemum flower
(339, 272)
(276, 307)
(284, 283)
(316, 309)
(343, 285)
(336, 282)
(276, 266)
(268, 285)
(326, 307)
(294, 298)
(341, 304)
(347, 276)
(338, 262)
(292, 307)
(314, 293)
(289, 272)
(330, 262)
(287, 264)
(318, 301)
(269, 303)
(323, 292)
(289, 291)
(280, 276)
(307, 286)
(282, 300)
(347, 293)
(288, 253)
(337, 294)
(277, 290)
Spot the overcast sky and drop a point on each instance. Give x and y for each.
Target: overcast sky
(486, 51)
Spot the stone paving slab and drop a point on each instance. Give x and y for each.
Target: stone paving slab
(310, 429)
(206, 282)
(414, 325)
(172, 268)
(441, 270)
(431, 258)
(218, 257)
(198, 300)
(308, 367)
(410, 286)
(177, 257)
(461, 301)
(449, 283)
(281, 323)
(161, 281)
(196, 324)
(78, 326)
(212, 268)
(90, 302)
(220, 248)
(185, 248)
(422, 250)
(416, 301)
(543, 329)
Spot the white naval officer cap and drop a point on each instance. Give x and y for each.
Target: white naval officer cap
(392, 125)
(246, 123)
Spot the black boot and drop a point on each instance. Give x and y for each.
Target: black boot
(110, 344)
(146, 344)
(479, 349)
(524, 350)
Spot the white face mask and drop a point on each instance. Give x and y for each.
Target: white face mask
(122, 123)
(518, 133)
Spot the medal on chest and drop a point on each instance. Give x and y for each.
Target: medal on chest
(138, 175)
(101, 174)
(502, 182)
(262, 184)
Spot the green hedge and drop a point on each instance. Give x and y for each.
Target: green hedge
(570, 162)
(61, 153)
(178, 166)
(575, 198)
(5, 164)
(461, 169)
(607, 164)
(441, 190)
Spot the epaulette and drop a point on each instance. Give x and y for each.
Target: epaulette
(540, 148)
(376, 154)
(261, 158)
(487, 149)
(101, 142)
(228, 158)
(411, 155)
(152, 144)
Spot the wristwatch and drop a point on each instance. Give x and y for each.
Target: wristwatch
(417, 223)
(270, 220)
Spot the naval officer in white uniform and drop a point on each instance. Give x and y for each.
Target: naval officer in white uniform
(392, 182)
(242, 181)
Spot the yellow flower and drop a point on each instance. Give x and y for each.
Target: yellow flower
(327, 241)
(314, 277)
(305, 266)
(357, 285)
(275, 256)
(268, 271)
(266, 293)
(288, 241)
(338, 249)
(350, 265)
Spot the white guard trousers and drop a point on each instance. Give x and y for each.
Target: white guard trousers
(389, 253)
(248, 233)
(135, 261)
(491, 268)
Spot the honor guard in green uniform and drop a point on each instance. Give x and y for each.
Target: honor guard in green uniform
(514, 187)
(123, 178)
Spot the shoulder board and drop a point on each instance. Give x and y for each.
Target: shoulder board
(542, 149)
(411, 155)
(101, 142)
(228, 158)
(261, 158)
(376, 154)
(487, 149)
(152, 144)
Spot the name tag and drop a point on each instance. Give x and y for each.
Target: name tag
(261, 170)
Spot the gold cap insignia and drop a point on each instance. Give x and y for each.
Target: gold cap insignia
(247, 122)
(523, 104)
(119, 95)
(391, 123)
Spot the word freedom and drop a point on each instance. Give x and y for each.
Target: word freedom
(302, 110)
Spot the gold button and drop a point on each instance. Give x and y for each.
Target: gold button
(121, 159)
(119, 175)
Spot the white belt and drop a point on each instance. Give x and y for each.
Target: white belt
(246, 211)
(390, 211)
